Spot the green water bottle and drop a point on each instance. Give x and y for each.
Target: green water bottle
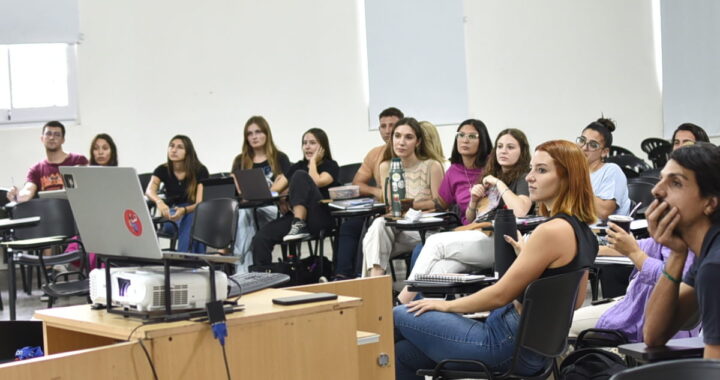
(397, 186)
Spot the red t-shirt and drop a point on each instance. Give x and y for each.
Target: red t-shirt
(46, 175)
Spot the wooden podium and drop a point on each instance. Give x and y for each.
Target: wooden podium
(265, 341)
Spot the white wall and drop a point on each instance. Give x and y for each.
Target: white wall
(149, 70)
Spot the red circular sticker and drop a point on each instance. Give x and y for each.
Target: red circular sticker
(132, 222)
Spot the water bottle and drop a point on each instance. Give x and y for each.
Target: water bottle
(505, 224)
(397, 186)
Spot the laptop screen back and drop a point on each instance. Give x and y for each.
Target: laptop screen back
(110, 211)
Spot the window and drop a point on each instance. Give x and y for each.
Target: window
(37, 83)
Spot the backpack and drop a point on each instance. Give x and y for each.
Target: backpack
(591, 363)
(301, 272)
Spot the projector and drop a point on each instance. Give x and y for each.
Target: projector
(143, 288)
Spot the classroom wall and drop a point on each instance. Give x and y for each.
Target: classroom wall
(149, 70)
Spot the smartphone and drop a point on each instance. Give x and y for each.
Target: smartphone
(305, 298)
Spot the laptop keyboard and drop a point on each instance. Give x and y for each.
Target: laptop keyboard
(243, 283)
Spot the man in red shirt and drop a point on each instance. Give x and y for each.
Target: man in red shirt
(45, 175)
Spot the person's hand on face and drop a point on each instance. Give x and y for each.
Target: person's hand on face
(662, 220)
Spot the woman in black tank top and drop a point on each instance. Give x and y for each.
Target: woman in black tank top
(432, 330)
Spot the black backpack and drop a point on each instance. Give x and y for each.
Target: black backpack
(591, 363)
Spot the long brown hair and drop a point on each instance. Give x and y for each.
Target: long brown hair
(521, 167)
(113, 161)
(421, 150)
(575, 195)
(192, 166)
(244, 160)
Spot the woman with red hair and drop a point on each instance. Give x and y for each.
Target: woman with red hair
(432, 330)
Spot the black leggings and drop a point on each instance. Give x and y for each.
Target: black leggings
(302, 191)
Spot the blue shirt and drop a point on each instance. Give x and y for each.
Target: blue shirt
(608, 183)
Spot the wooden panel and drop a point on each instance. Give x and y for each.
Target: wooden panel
(122, 361)
(375, 315)
(56, 340)
(317, 346)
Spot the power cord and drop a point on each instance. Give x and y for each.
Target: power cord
(149, 359)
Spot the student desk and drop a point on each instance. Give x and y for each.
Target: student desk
(265, 341)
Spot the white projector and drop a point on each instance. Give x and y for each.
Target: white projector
(143, 288)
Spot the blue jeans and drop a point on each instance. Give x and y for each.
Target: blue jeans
(184, 228)
(422, 342)
(415, 254)
(348, 244)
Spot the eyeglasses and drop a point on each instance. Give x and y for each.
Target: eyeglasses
(50, 134)
(471, 136)
(591, 144)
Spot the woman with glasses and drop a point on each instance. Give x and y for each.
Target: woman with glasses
(423, 176)
(503, 185)
(258, 151)
(608, 181)
(469, 155)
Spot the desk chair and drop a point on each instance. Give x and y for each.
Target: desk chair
(56, 220)
(347, 173)
(547, 314)
(658, 150)
(215, 223)
(631, 165)
(619, 151)
(686, 369)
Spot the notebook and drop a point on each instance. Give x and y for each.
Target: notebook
(113, 218)
(454, 278)
(253, 185)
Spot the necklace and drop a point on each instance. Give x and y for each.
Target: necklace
(470, 184)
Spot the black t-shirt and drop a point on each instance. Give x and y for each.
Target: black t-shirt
(329, 166)
(283, 162)
(175, 190)
(704, 276)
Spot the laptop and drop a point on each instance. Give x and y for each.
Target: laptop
(113, 218)
(252, 185)
(59, 194)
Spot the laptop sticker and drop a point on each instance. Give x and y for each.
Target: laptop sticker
(132, 222)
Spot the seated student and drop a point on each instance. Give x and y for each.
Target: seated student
(608, 181)
(688, 134)
(103, 151)
(470, 152)
(685, 217)
(307, 182)
(258, 151)
(460, 251)
(351, 228)
(626, 313)
(422, 181)
(430, 330)
(45, 175)
(181, 175)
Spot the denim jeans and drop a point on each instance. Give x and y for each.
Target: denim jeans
(184, 228)
(422, 342)
(348, 244)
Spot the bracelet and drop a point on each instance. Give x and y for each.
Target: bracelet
(184, 210)
(669, 277)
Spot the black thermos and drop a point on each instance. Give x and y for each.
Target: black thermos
(504, 252)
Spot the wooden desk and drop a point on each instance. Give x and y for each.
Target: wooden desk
(681, 348)
(265, 341)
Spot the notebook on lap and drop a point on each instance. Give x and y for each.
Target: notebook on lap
(112, 215)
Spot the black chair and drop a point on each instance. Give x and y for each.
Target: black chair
(547, 314)
(631, 165)
(644, 179)
(215, 223)
(686, 369)
(641, 192)
(144, 180)
(658, 150)
(347, 173)
(56, 221)
(619, 151)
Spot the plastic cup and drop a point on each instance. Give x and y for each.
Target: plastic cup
(622, 221)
